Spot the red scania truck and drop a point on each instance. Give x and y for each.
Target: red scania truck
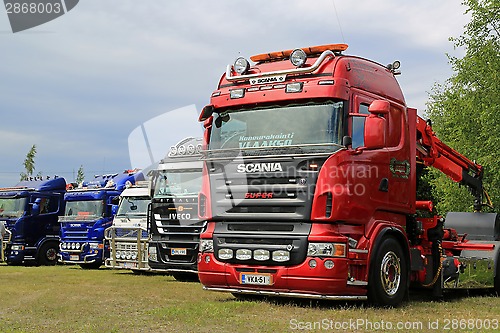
(312, 160)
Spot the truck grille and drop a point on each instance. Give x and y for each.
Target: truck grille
(283, 195)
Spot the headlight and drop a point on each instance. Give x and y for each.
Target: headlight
(298, 57)
(241, 65)
(225, 254)
(261, 255)
(281, 256)
(326, 250)
(243, 254)
(206, 245)
(17, 247)
(117, 254)
(134, 255)
(94, 245)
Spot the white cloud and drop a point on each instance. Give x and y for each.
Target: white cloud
(80, 84)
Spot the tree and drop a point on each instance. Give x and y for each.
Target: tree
(29, 163)
(466, 109)
(80, 176)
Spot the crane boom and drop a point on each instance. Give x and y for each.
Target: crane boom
(431, 151)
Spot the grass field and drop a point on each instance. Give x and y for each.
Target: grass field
(69, 299)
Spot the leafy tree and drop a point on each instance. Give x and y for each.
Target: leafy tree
(29, 163)
(80, 176)
(466, 109)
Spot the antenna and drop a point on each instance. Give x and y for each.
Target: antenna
(338, 21)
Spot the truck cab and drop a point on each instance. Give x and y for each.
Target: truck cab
(89, 211)
(173, 221)
(309, 185)
(29, 213)
(128, 236)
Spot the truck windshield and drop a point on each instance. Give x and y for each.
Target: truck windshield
(133, 206)
(12, 207)
(309, 127)
(177, 183)
(83, 210)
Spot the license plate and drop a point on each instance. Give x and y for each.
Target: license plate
(74, 257)
(130, 265)
(178, 252)
(258, 279)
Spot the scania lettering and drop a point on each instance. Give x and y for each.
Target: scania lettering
(331, 214)
(91, 205)
(173, 221)
(261, 167)
(128, 237)
(29, 212)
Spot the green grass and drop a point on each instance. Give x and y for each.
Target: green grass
(69, 299)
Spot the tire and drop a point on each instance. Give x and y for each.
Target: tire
(186, 277)
(94, 265)
(388, 277)
(47, 255)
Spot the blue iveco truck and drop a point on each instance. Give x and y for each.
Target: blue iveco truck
(89, 211)
(29, 213)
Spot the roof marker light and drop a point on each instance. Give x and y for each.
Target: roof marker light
(241, 65)
(298, 57)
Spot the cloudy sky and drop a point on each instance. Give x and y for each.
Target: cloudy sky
(78, 86)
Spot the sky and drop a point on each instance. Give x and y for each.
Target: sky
(85, 85)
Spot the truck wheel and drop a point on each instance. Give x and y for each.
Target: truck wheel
(47, 255)
(388, 278)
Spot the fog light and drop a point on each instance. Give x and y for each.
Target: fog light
(329, 264)
(134, 256)
(237, 93)
(298, 57)
(241, 65)
(261, 255)
(117, 255)
(207, 259)
(312, 263)
(295, 87)
(63, 246)
(77, 245)
(225, 254)
(243, 254)
(73, 246)
(281, 256)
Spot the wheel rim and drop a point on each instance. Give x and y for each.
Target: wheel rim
(51, 254)
(390, 273)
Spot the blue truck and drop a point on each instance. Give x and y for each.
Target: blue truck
(29, 213)
(89, 211)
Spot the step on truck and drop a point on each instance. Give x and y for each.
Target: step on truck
(128, 236)
(29, 213)
(309, 189)
(89, 211)
(173, 222)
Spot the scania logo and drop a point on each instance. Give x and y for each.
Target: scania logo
(259, 167)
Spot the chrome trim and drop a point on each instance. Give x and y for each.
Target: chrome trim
(358, 251)
(300, 70)
(357, 283)
(287, 294)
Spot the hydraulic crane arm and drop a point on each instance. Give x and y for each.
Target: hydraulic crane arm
(433, 152)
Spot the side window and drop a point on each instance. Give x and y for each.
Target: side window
(358, 126)
(358, 131)
(49, 205)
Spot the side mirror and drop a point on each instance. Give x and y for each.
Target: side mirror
(375, 127)
(114, 209)
(379, 107)
(35, 209)
(347, 141)
(206, 112)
